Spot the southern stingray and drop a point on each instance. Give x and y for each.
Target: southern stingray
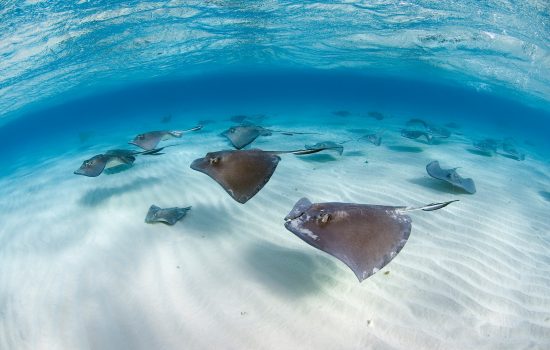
(150, 140)
(365, 237)
(168, 216)
(450, 176)
(242, 173)
(241, 136)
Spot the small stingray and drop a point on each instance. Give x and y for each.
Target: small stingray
(166, 119)
(376, 115)
(365, 237)
(375, 139)
(450, 176)
(487, 146)
(241, 136)
(113, 160)
(150, 140)
(167, 216)
(510, 150)
(328, 145)
(438, 131)
(94, 166)
(414, 134)
(242, 173)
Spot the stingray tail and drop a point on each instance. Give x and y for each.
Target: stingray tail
(431, 206)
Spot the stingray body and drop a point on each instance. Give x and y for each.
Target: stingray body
(375, 139)
(365, 237)
(376, 115)
(414, 134)
(242, 173)
(327, 145)
(94, 166)
(167, 216)
(450, 176)
(241, 136)
(151, 139)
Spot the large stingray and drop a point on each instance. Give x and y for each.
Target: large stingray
(168, 216)
(241, 136)
(110, 160)
(450, 176)
(242, 173)
(365, 237)
(151, 139)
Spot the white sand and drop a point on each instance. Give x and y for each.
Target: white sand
(79, 268)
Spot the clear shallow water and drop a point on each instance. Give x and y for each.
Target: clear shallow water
(80, 269)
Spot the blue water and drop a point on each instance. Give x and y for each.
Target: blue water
(77, 79)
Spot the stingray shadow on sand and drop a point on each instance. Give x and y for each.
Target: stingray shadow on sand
(289, 272)
(97, 196)
(437, 185)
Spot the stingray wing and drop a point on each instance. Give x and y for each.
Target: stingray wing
(364, 237)
(242, 174)
(149, 140)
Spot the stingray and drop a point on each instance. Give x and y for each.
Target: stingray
(111, 159)
(510, 151)
(166, 119)
(438, 131)
(365, 237)
(375, 139)
(151, 139)
(328, 145)
(376, 115)
(167, 216)
(417, 121)
(450, 176)
(414, 134)
(241, 136)
(242, 173)
(342, 113)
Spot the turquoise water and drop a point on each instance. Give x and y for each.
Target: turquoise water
(80, 268)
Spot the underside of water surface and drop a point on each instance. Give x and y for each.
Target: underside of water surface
(82, 266)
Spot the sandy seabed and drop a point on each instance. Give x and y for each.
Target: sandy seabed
(79, 268)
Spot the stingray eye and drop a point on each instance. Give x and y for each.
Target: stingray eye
(140, 137)
(231, 130)
(324, 218)
(214, 160)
